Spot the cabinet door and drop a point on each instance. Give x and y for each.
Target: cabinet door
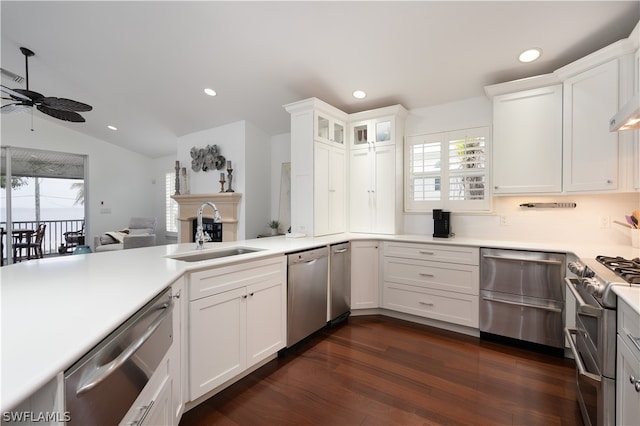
(527, 141)
(361, 197)
(383, 193)
(337, 192)
(161, 412)
(322, 177)
(217, 340)
(178, 354)
(365, 289)
(590, 150)
(627, 392)
(266, 321)
(329, 129)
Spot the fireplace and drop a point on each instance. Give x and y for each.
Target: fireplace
(227, 204)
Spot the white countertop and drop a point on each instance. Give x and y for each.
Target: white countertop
(55, 310)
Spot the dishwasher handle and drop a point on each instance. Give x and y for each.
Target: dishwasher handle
(522, 259)
(102, 372)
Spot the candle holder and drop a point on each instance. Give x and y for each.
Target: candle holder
(177, 178)
(222, 181)
(230, 175)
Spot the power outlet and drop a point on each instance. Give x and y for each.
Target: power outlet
(604, 222)
(504, 220)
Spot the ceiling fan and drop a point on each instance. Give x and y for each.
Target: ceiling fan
(23, 99)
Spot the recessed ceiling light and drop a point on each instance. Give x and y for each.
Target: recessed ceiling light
(210, 92)
(359, 94)
(530, 55)
(110, 127)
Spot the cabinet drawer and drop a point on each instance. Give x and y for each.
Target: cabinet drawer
(628, 325)
(453, 308)
(433, 252)
(459, 278)
(216, 280)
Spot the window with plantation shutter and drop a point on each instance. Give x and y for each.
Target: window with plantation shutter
(447, 171)
(171, 207)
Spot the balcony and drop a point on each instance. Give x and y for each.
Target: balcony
(53, 237)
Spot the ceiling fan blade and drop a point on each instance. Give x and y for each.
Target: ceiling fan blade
(14, 93)
(64, 104)
(61, 115)
(14, 108)
(30, 94)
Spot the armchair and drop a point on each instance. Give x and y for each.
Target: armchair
(140, 233)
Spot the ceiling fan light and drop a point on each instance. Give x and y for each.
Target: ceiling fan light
(210, 92)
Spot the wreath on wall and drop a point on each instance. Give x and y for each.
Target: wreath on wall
(207, 158)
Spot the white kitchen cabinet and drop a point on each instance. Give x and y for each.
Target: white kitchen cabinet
(376, 131)
(628, 366)
(237, 318)
(365, 288)
(330, 165)
(329, 129)
(373, 190)
(590, 151)
(178, 351)
(312, 178)
(432, 281)
(527, 141)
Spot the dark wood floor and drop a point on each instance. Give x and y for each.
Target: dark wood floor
(382, 371)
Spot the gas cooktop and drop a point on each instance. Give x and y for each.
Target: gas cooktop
(627, 269)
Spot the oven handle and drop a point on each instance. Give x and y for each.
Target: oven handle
(596, 380)
(104, 371)
(525, 305)
(584, 307)
(520, 259)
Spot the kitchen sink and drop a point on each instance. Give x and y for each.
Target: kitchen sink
(215, 254)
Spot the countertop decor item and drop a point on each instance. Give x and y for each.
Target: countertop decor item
(274, 225)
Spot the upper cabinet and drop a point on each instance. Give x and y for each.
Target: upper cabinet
(377, 131)
(590, 149)
(329, 129)
(527, 141)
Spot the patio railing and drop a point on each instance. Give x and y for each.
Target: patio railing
(54, 232)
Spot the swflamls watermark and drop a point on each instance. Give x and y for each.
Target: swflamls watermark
(33, 417)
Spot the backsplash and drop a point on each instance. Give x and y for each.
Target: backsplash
(591, 221)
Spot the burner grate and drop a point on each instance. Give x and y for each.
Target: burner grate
(628, 270)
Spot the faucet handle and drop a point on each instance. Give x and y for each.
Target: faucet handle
(206, 237)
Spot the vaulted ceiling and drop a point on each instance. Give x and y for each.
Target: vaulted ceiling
(143, 65)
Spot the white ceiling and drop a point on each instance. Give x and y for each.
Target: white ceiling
(143, 65)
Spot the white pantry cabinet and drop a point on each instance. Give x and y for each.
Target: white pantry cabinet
(237, 318)
(527, 141)
(376, 131)
(590, 149)
(330, 165)
(432, 281)
(316, 126)
(365, 288)
(628, 366)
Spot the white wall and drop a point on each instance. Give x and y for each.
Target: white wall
(258, 181)
(280, 153)
(121, 179)
(508, 220)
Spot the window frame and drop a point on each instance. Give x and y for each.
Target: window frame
(170, 205)
(443, 175)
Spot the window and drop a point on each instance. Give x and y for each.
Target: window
(171, 207)
(447, 170)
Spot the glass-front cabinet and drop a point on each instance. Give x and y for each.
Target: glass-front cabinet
(378, 131)
(329, 129)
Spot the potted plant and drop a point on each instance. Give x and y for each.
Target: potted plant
(274, 225)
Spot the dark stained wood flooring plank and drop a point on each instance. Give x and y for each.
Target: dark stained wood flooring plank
(376, 370)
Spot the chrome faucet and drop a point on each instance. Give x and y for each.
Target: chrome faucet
(202, 236)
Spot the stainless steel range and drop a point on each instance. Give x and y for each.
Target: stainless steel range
(593, 340)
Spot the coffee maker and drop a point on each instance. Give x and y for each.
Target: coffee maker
(441, 224)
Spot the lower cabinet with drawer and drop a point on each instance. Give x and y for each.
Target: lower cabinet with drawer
(437, 282)
(628, 366)
(237, 318)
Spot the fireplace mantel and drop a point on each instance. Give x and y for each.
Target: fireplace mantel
(227, 204)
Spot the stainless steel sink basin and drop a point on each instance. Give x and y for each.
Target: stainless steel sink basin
(215, 254)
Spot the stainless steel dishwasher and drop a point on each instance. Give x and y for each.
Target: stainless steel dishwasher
(340, 282)
(307, 282)
(522, 295)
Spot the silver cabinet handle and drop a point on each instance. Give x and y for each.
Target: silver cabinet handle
(526, 305)
(569, 332)
(635, 382)
(344, 250)
(104, 371)
(147, 409)
(426, 303)
(424, 274)
(634, 340)
(520, 259)
(426, 252)
(584, 307)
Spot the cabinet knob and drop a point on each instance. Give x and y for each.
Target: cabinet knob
(495, 187)
(635, 382)
(244, 296)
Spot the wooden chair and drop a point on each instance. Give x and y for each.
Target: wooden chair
(33, 244)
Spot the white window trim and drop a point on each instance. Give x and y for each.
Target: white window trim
(480, 206)
(171, 218)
